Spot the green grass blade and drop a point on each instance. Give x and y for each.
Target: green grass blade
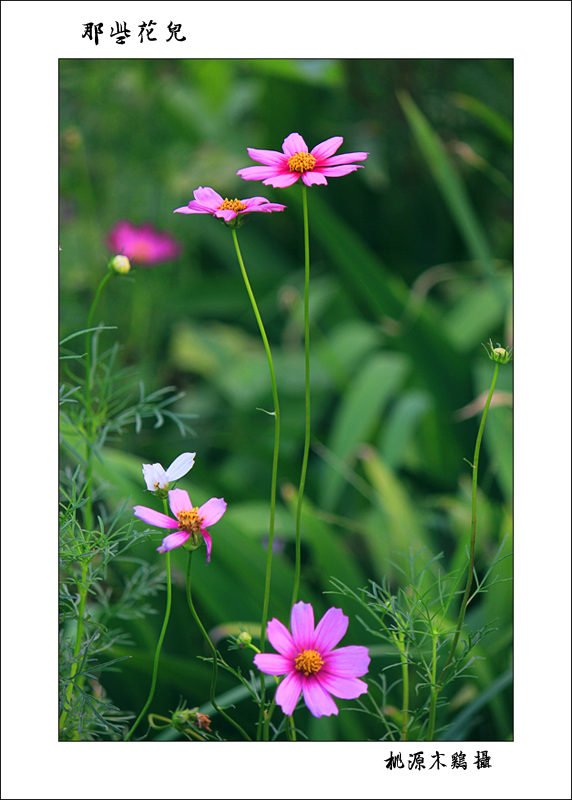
(492, 119)
(359, 414)
(450, 185)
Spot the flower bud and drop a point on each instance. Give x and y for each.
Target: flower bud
(498, 353)
(120, 264)
(181, 717)
(244, 638)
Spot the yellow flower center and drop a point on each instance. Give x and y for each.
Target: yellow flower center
(232, 205)
(301, 162)
(309, 662)
(190, 520)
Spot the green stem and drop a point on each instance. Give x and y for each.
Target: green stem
(405, 681)
(90, 420)
(159, 645)
(290, 729)
(438, 684)
(271, 523)
(98, 291)
(213, 651)
(307, 391)
(434, 689)
(88, 511)
(83, 589)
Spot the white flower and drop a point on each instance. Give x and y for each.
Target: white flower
(157, 478)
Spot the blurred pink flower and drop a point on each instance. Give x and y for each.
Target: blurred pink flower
(284, 169)
(311, 666)
(144, 245)
(207, 201)
(191, 522)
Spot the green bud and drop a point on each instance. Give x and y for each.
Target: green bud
(181, 717)
(244, 638)
(498, 353)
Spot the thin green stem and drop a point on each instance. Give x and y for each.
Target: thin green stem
(291, 729)
(159, 645)
(475, 466)
(438, 684)
(91, 426)
(82, 589)
(307, 391)
(98, 291)
(271, 523)
(434, 689)
(270, 711)
(213, 651)
(89, 339)
(405, 682)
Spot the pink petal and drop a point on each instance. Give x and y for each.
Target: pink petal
(212, 511)
(330, 630)
(302, 626)
(270, 207)
(317, 699)
(346, 688)
(187, 210)
(310, 178)
(208, 542)
(327, 148)
(345, 158)
(273, 664)
(261, 204)
(288, 692)
(337, 172)
(254, 201)
(268, 157)
(257, 173)
(294, 144)
(179, 500)
(226, 214)
(180, 466)
(208, 197)
(152, 517)
(173, 540)
(200, 208)
(281, 181)
(347, 662)
(280, 638)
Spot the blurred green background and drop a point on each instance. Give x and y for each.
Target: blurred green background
(411, 272)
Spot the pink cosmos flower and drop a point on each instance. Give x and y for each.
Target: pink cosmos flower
(144, 245)
(310, 664)
(284, 169)
(191, 522)
(207, 201)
